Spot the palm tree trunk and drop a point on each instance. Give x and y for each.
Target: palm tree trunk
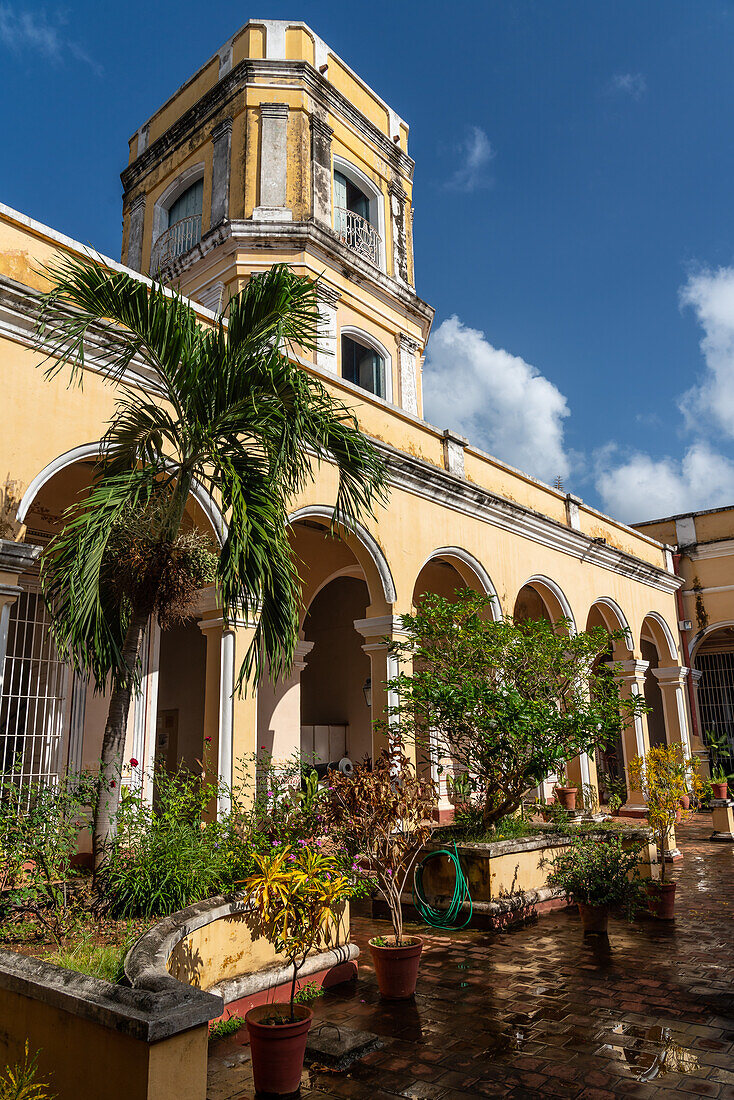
(113, 742)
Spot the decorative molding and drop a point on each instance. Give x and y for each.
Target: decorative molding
(379, 626)
(671, 675)
(453, 452)
(320, 127)
(722, 549)
(255, 71)
(363, 535)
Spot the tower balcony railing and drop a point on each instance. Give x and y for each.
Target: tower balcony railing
(176, 240)
(358, 234)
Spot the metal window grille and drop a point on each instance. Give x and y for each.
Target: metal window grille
(716, 697)
(34, 698)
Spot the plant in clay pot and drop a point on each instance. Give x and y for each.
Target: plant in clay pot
(720, 756)
(383, 816)
(664, 775)
(459, 787)
(597, 874)
(296, 895)
(565, 792)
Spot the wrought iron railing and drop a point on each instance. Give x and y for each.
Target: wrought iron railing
(358, 234)
(176, 240)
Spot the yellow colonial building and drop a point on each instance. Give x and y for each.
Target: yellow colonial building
(276, 151)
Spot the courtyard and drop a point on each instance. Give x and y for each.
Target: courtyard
(542, 1011)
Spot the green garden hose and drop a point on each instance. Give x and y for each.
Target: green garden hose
(443, 918)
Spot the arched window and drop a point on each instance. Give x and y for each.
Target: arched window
(364, 366)
(177, 218)
(358, 212)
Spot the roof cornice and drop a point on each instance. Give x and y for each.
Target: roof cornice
(244, 74)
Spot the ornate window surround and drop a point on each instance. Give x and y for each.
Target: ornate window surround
(165, 201)
(369, 341)
(373, 193)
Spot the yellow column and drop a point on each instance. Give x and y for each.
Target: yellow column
(635, 741)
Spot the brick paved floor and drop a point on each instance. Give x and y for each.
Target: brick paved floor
(541, 1012)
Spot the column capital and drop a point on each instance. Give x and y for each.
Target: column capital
(138, 203)
(17, 557)
(300, 654)
(696, 675)
(407, 343)
(320, 127)
(631, 671)
(378, 629)
(671, 676)
(327, 294)
(274, 110)
(222, 129)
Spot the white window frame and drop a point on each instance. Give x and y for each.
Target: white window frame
(368, 341)
(371, 190)
(174, 190)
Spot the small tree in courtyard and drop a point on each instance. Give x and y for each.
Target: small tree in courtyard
(383, 816)
(664, 774)
(509, 702)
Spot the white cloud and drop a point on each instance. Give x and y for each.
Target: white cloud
(499, 401)
(633, 85)
(474, 155)
(24, 31)
(711, 400)
(641, 487)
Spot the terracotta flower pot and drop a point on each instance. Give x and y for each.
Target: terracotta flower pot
(719, 790)
(396, 968)
(678, 816)
(661, 899)
(567, 797)
(594, 918)
(685, 802)
(278, 1049)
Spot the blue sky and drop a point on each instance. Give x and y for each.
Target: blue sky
(574, 205)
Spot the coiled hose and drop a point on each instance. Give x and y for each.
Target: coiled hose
(443, 918)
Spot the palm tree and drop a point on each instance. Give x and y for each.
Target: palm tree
(223, 407)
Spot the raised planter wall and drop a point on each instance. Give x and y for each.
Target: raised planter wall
(98, 1041)
(218, 946)
(506, 881)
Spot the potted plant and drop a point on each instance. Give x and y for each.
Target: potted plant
(459, 789)
(565, 793)
(597, 873)
(296, 894)
(664, 775)
(382, 815)
(719, 749)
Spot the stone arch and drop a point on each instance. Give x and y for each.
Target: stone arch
(469, 568)
(702, 635)
(86, 451)
(615, 619)
(365, 548)
(662, 636)
(553, 597)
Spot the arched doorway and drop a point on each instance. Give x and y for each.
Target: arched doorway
(610, 761)
(446, 572)
(714, 661)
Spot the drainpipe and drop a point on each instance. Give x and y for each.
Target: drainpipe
(684, 644)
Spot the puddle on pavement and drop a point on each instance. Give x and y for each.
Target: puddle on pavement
(650, 1053)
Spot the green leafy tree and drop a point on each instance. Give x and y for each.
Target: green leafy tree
(508, 702)
(222, 407)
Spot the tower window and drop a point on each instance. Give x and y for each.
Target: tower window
(181, 228)
(363, 366)
(187, 205)
(355, 215)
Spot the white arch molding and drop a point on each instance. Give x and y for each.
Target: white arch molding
(373, 193)
(477, 569)
(93, 450)
(619, 615)
(323, 511)
(698, 638)
(546, 582)
(165, 201)
(667, 634)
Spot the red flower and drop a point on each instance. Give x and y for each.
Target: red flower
(113, 784)
(133, 762)
(208, 740)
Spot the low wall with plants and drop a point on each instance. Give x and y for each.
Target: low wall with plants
(508, 878)
(97, 1041)
(219, 945)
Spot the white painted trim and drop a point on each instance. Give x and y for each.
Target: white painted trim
(716, 588)
(93, 450)
(622, 624)
(165, 201)
(151, 709)
(323, 511)
(366, 339)
(699, 637)
(667, 633)
(476, 567)
(363, 182)
(541, 581)
(226, 719)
